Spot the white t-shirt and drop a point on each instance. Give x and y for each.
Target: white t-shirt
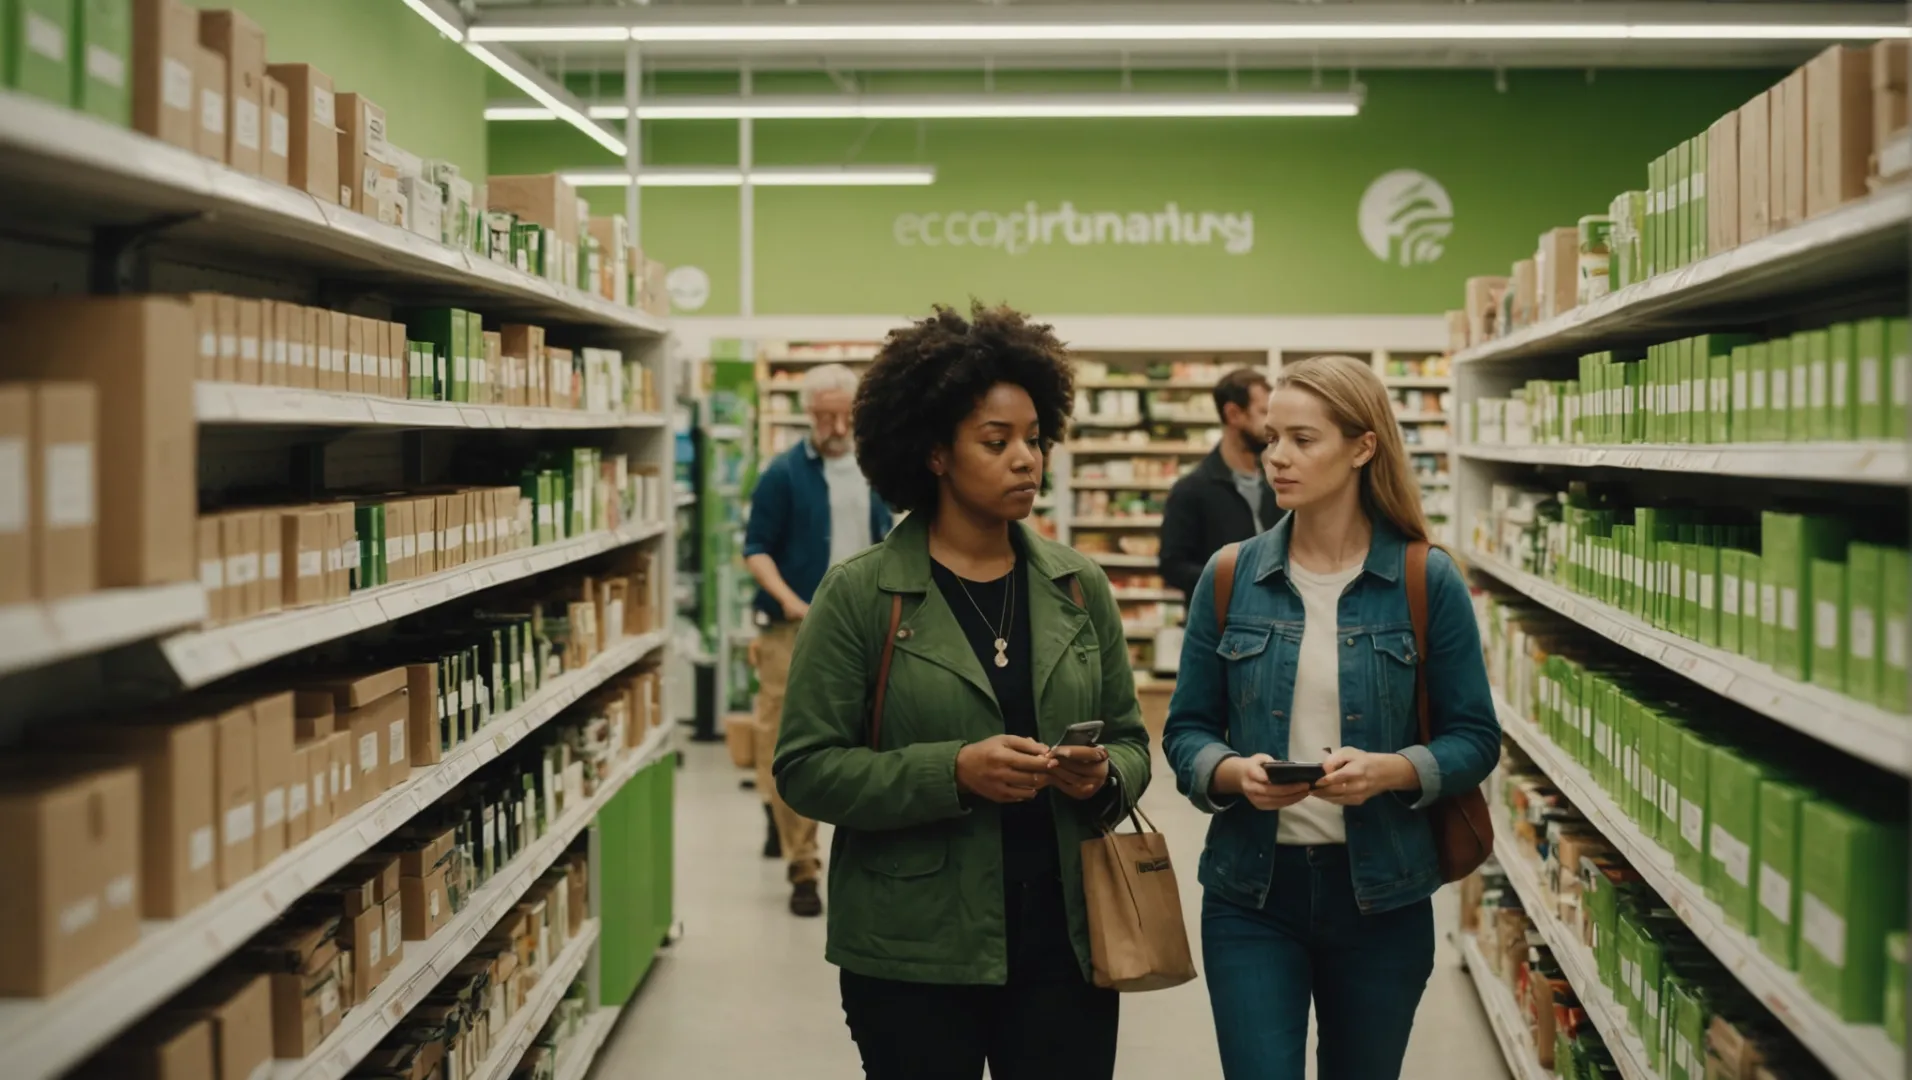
(1314, 720)
(849, 507)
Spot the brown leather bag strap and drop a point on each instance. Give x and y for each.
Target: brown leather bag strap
(1225, 584)
(883, 672)
(1075, 591)
(1417, 611)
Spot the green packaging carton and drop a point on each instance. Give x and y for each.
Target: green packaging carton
(1691, 852)
(1732, 807)
(38, 41)
(102, 59)
(1894, 1004)
(1898, 358)
(1789, 543)
(1828, 666)
(1697, 153)
(1729, 593)
(1818, 344)
(1894, 622)
(1853, 882)
(1719, 397)
(1752, 600)
(1656, 202)
(1779, 389)
(1758, 375)
(1780, 805)
(1842, 416)
(1740, 403)
(1706, 558)
(1799, 421)
(1868, 339)
(1865, 585)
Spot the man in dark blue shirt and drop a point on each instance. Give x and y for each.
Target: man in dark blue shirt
(811, 509)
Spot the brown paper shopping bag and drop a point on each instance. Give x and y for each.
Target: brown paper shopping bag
(1137, 940)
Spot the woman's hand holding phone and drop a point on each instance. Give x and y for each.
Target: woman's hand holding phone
(1247, 777)
(1004, 768)
(1080, 771)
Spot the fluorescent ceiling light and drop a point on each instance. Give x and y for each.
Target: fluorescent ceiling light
(762, 176)
(979, 106)
(431, 15)
(559, 108)
(1218, 32)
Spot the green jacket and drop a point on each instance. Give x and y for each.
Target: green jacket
(916, 888)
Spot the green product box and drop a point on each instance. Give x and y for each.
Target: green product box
(1671, 579)
(1894, 1004)
(1687, 1032)
(1690, 598)
(1655, 200)
(1842, 417)
(475, 373)
(1759, 420)
(1691, 851)
(1667, 746)
(1779, 389)
(1626, 947)
(1895, 570)
(1679, 238)
(1650, 959)
(1707, 560)
(1729, 593)
(1600, 898)
(1799, 403)
(1740, 402)
(102, 59)
(369, 519)
(1699, 375)
(1697, 247)
(1865, 569)
(1752, 600)
(1853, 879)
(1720, 398)
(460, 354)
(1680, 392)
(1789, 542)
(1635, 379)
(1898, 360)
(1777, 927)
(1732, 809)
(1818, 385)
(1868, 339)
(1828, 667)
(38, 56)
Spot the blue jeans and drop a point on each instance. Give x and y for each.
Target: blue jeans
(1310, 942)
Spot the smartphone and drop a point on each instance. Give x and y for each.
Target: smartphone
(1087, 733)
(1294, 772)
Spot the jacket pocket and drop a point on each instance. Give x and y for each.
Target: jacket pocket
(904, 903)
(1395, 665)
(1243, 650)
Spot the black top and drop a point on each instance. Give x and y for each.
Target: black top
(1205, 513)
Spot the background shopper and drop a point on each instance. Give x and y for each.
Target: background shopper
(957, 911)
(811, 509)
(1321, 893)
(1225, 499)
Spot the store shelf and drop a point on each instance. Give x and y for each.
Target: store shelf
(427, 963)
(1421, 418)
(1417, 382)
(1575, 958)
(725, 431)
(43, 633)
(1134, 521)
(45, 1037)
(1504, 1014)
(1847, 463)
(1149, 594)
(859, 358)
(509, 1045)
(1077, 483)
(1116, 421)
(201, 656)
(1434, 481)
(790, 421)
(71, 167)
(1856, 241)
(1850, 1051)
(686, 499)
(1862, 730)
(1142, 633)
(576, 1056)
(1108, 446)
(1114, 559)
(238, 404)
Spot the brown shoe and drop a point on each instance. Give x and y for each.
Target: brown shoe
(804, 900)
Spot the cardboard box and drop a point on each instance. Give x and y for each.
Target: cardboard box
(1838, 127)
(241, 47)
(163, 1047)
(1722, 184)
(359, 689)
(372, 728)
(138, 352)
(1853, 877)
(1789, 151)
(361, 148)
(298, 797)
(249, 319)
(212, 569)
(239, 1008)
(235, 784)
(363, 937)
(69, 836)
(16, 533)
(165, 54)
(303, 550)
(345, 531)
(272, 741)
(62, 486)
(1780, 805)
(347, 793)
(1889, 105)
(393, 909)
(542, 200)
(209, 104)
(318, 767)
(306, 998)
(313, 161)
(276, 160)
(1755, 168)
(425, 904)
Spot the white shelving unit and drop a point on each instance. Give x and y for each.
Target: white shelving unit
(241, 404)
(35, 634)
(1883, 463)
(1504, 1014)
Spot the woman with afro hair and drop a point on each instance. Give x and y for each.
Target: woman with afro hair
(956, 912)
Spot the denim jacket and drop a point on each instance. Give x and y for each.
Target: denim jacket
(1235, 687)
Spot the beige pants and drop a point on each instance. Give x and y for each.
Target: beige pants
(798, 834)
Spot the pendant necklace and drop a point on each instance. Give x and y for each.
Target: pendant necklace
(1001, 631)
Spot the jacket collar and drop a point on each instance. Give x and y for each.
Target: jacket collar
(905, 557)
(1386, 551)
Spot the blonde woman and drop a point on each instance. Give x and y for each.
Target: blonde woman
(1317, 892)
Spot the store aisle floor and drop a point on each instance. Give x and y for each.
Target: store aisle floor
(746, 994)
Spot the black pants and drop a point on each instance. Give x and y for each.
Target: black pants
(1047, 1023)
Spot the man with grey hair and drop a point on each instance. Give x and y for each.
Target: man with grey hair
(811, 509)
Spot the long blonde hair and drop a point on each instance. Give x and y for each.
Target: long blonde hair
(1357, 402)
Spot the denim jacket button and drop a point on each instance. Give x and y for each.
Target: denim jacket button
(1350, 643)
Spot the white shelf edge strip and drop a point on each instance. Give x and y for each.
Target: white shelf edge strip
(1503, 1014)
(575, 1057)
(1575, 959)
(427, 963)
(44, 1037)
(1850, 1051)
(199, 657)
(509, 1046)
(1884, 211)
(1862, 730)
(244, 403)
(34, 634)
(1848, 463)
(93, 149)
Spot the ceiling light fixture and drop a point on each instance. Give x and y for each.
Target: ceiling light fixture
(969, 107)
(551, 102)
(439, 22)
(1219, 32)
(762, 176)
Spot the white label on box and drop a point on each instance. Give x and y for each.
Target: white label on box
(79, 915)
(1652, 1000)
(106, 66)
(1768, 603)
(322, 106)
(1729, 595)
(120, 892)
(368, 752)
(395, 749)
(1775, 893)
(1758, 391)
(1839, 384)
(245, 123)
(1895, 634)
(229, 344)
(240, 823)
(431, 906)
(1779, 388)
(270, 562)
(329, 998)
(1739, 390)
(69, 485)
(298, 354)
(1692, 585)
(374, 942)
(1868, 380)
(1669, 798)
(274, 812)
(1825, 624)
(1800, 373)
(1735, 857)
(1822, 928)
(177, 86)
(212, 111)
(297, 797)
(1693, 823)
(394, 928)
(208, 345)
(342, 780)
(1749, 597)
(278, 135)
(1817, 394)
(199, 848)
(242, 569)
(1789, 609)
(46, 37)
(318, 789)
(428, 542)
(13, 485)
(1864, 633)
(249, 349)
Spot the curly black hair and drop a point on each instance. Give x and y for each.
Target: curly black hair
(929, 375)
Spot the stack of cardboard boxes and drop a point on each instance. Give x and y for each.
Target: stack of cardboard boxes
(276, 343)
(49, 490)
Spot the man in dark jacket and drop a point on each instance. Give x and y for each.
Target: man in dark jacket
(1226, 498)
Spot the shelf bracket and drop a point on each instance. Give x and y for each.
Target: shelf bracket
(116, 250)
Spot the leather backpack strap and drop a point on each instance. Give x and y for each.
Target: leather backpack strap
(1075, 592)
(1417, 611)
(1225, 584)
(883, 672)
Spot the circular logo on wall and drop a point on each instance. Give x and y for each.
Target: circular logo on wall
(689, 288)
(1406, 217)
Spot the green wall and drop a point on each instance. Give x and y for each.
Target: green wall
(432, 91)
(1552, 147)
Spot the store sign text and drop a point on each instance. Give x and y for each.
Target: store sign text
(1018, 231)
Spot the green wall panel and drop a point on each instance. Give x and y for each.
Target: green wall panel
(1507, 165)
(634, 880)
(432, 91)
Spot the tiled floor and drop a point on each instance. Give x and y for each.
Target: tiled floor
(746, 995)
